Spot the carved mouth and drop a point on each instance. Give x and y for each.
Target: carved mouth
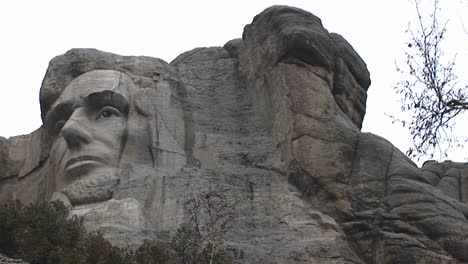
(86, 161)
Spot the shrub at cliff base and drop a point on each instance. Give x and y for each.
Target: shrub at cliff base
(43, 233)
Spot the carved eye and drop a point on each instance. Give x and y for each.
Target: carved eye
(108, 112)
(59, 125)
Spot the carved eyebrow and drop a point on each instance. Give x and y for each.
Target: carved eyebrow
(60, 111)
(108, 97)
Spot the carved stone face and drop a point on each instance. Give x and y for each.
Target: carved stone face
(89, 124)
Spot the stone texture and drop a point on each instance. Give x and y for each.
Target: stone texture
(274, 117)
(6, 260)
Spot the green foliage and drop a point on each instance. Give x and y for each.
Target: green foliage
(9, 216)
(43, 233)
(100, 251)
(187, 246)
(153, 252)
(39, 233)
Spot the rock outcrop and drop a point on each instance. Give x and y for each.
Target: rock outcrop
(274, 117)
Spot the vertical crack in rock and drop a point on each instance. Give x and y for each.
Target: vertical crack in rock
(355, 159)
(387, 208)
(460, 186)
(379, 222)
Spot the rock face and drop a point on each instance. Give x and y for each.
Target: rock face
(275, 117)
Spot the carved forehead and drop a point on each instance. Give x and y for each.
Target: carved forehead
(64, 68)
(94, 82)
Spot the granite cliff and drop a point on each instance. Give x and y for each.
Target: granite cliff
(274, 117)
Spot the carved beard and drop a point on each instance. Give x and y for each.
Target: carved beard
(93, 189)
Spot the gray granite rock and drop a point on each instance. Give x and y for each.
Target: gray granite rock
(274, 117)
(6, 260)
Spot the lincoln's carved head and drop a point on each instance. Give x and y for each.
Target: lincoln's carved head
(89, 125)
(108, 127)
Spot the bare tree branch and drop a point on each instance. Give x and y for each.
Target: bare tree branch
(429, 88)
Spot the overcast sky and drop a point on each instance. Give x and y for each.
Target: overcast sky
(33, 32)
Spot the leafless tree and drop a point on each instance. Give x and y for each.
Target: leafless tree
(430, 90)
(211, 214)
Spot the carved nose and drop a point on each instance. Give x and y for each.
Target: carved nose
(75, 133)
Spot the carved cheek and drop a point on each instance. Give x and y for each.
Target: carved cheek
(57, 160)
(110, 133)
(57, 151)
